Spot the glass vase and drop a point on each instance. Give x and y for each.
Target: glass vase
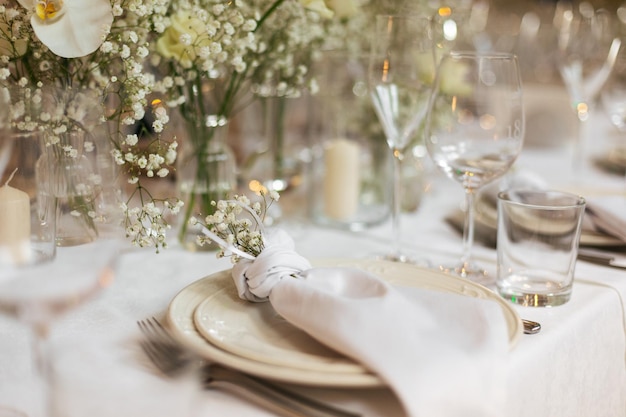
(283, 169)
(351, 166)
(273, 142)
(70, 178)
(27, 215)
(206, 172)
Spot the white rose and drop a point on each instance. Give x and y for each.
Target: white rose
(318, 6)
(187, 27)
(343, 8)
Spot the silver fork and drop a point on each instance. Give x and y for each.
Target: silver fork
(173, 359)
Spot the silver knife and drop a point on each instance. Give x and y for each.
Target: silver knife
(602, 258)
(279, 400)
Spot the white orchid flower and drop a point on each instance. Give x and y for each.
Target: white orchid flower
(70, 28)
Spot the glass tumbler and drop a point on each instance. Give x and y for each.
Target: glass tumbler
(538, 236)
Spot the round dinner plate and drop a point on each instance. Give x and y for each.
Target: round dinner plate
(255, 331)
(208, 317)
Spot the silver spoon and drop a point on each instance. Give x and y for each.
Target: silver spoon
(531, 327)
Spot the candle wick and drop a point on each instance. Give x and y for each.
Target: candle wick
(10, 177)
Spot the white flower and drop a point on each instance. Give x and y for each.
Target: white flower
(70, 28)
(343, 8)
(157, 126)
(318, 6)
(131, 140)
(180, 40)
(106, 47)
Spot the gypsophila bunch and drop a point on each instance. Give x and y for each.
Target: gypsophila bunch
(351, 33)
(81, 44)
(66, 49)
(238, 224)
(145, 226)
(213, 57)
(259, 46)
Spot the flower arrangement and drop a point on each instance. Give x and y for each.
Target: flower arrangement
(237, 225)
(216, 57)
(145, 56)
(240, 49)
(42, 49)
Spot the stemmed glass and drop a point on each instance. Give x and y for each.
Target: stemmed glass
(37, 294)
(401, 70)
(475, 129)
(587, 50)
(613, 98)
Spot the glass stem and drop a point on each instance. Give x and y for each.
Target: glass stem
(275, 125)
(43, 372)
(396, 201)
(578, 153)
(468, 227)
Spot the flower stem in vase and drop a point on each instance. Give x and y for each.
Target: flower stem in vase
(281, 172)
(206, 174)
(74, 185)
(279, 182)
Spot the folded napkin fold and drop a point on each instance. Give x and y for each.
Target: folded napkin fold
(442, 354)
(604, 216)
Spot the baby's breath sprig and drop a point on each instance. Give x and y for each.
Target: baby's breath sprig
(146, 226)
(237, 226)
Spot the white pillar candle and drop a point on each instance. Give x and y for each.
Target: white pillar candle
(342, 179)
(14, 225)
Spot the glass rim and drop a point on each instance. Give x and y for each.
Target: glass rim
(480, 54)
(573, 200)
(408, 16)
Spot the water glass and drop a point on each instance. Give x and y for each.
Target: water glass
(538, 236)
(27, 215)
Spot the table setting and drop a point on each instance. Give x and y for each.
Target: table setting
(143, 290)
(414, 241)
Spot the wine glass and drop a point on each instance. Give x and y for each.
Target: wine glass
(400, 74)
(587, 51)
(475, 129)
(37, 293)
(613, 99)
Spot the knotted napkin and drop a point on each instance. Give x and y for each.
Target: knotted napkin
(442, 354)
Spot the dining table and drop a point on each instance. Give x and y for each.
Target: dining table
(575, 365)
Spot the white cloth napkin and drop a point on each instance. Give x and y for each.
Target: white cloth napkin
(606, 215)
(442, 354)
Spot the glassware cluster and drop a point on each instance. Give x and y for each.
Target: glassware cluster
(401, 69)
(475, 129)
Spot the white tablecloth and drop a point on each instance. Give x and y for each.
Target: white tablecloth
(576, 365)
